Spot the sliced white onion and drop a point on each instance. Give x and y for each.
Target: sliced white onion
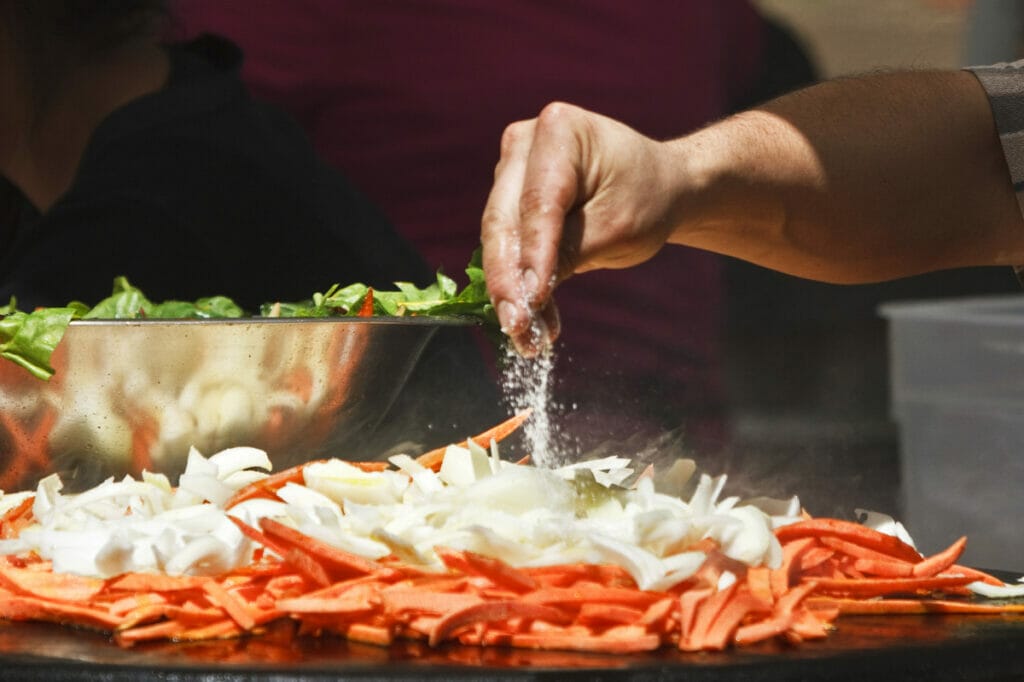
(592, 512)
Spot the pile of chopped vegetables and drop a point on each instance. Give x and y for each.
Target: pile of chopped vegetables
(459, 545)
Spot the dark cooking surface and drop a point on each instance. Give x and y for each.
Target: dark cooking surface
(865, 648)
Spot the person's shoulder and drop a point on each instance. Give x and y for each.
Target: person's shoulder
(204, 110)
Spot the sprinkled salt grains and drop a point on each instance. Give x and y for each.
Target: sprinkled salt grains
(527, 384)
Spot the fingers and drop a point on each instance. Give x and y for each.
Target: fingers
(536, 185)
(500, 227)
(550, 190)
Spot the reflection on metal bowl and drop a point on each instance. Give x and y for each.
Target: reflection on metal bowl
(134, 395)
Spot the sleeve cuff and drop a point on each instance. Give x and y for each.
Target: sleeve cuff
(1004, 85)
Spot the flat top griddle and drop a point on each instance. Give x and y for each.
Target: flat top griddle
(863, 648)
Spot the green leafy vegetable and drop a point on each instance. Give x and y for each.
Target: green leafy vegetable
(29, 339)
(128, 303)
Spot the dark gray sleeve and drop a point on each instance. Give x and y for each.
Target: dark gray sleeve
(1004, 84)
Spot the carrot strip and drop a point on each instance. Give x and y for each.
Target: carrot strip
(884, 568)
(856, 551)
(759, 583)
(433, 458)
(16, 518)
(136, 601)
(492, 611)
(495, 570)
(323, 605)
(366, 309)
(762, 630)
(258, 536)
(155, 582)
(63, 587)
(808, 625)
(981, 576)
(851, 532)
(192, 614)
(788, 571)
(938, 563)
(788, 602)
(688, 603)
(568, 574)
(658, 614)
(168, 629)
(581, 595)
(16, 607)
(141, 615)
(268, 486)
(781, 620)
(421, 601)
(610, 614)
(337, 560)
(814, 557)
(231, 605)
(308, 567)
(883, 586)
(738, 607)
(707, 612)
(910, 606)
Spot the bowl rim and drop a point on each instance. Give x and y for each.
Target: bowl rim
(404, 321)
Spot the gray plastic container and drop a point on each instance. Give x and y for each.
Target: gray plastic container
(957, 378)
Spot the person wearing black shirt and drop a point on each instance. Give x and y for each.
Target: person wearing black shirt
(123, 156)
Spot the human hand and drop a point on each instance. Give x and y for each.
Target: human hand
(573, 191)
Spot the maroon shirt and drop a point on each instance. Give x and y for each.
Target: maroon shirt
(410, 97)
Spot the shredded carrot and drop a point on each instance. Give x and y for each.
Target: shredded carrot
(829, 569)
(911, 606)
(884, 586)
(366, 309)
(492, 611)
(940, 562)
(478, 600)
(866, 537)
(336, 560)
(16, 518)
(495, 570)
(433, 459)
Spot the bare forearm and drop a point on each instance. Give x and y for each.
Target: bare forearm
(854, 180)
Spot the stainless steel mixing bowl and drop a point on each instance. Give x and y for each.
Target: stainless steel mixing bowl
(133, 395)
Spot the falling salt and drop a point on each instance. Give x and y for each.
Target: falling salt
(527, 384)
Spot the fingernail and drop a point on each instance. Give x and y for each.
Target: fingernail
(530, 283)
(554, 321)
(525, 348)
(508, 313)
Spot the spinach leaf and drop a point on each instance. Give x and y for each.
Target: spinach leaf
(127, 302)
(30, 338)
